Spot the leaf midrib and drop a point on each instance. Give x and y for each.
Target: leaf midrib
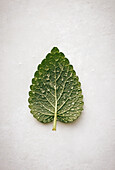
(55, 114)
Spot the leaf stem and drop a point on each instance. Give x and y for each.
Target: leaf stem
(55, 121)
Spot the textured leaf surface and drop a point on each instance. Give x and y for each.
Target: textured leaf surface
(55, 91)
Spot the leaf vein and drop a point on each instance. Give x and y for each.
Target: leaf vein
(68, 109)
(65, 101)
(63, 88)
(60, 72)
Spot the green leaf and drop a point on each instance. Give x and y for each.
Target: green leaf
(55, 93)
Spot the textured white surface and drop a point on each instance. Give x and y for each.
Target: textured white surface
(85, 31)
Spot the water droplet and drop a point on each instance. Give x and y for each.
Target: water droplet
(72, 87)
(72, 109)
(46, 69)
(62, 79)
(73, 103)
(48, 89)
(47, 78)
(48, 75)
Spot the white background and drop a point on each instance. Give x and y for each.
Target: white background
(85, 31)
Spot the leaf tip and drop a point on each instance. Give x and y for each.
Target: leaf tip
(54, 50)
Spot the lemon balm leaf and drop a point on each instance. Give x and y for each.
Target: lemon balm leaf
(55, 93)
